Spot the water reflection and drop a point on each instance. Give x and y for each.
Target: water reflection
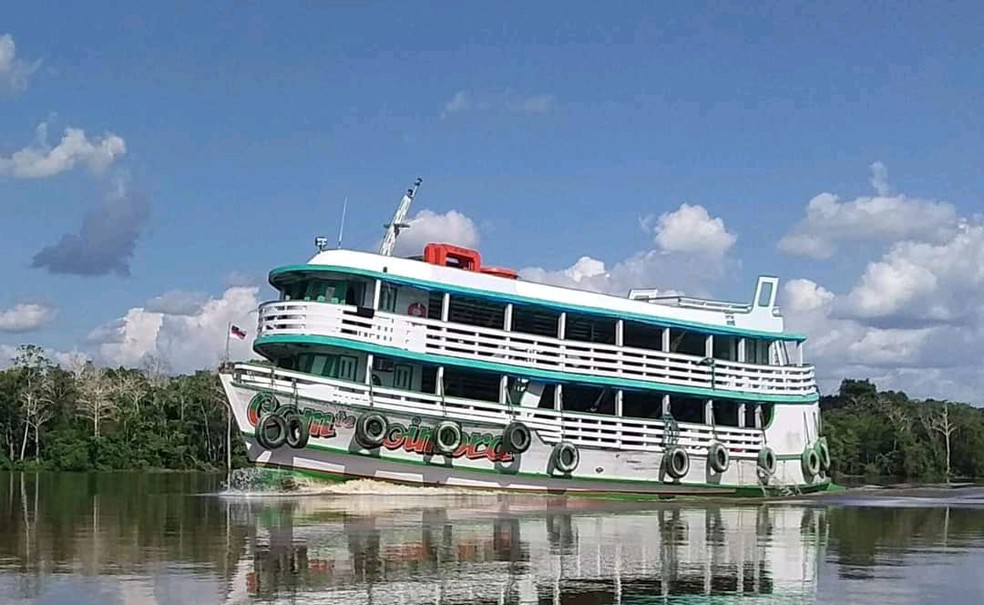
(522, 550)
(169, 538)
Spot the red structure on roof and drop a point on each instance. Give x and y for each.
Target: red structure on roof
(449, 255)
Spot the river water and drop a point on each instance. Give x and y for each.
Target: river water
(148, 538)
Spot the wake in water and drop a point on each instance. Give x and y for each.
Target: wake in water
(258, 481)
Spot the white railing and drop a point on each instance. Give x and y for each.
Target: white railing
(589, 430)
(431, 336)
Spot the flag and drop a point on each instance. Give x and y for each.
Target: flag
(238, 332)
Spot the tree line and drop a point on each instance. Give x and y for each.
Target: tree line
(874, 433)
(85, 417)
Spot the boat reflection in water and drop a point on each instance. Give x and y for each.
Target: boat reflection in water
(384, 549)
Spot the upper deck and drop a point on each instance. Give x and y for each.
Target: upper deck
(758, 318)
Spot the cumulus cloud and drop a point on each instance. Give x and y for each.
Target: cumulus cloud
(105, 242)
(915, 315)
(881, 218)
(925, 282)
(188, 339)
(15, 73)
(508, 101)
(40, 160)
(451, 227)
(689, 251)
(26, 317)
(691, 230)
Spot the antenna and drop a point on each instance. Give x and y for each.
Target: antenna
(341, 225)
(394, 226)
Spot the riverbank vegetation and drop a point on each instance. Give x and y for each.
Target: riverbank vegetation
(83, 417)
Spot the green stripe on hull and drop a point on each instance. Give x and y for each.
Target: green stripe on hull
(515, 298)
(547, 375)
(670, 489)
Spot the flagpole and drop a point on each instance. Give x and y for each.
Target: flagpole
(228, 330)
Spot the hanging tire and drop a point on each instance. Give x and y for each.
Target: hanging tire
(370, 430)
(677, 462)
(447, 437)
(767, 460)
(298, 431)
(823, 451)
(811, 462)
(516, 438)
(271, 431)
(718, 457)
(565, 457)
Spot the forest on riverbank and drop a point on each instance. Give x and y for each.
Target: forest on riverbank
(84, 417)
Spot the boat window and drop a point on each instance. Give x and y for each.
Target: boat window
(471, 384)
(402, 376)
(387, 297)
(688, 343)
(476, 312)
(726, 412)
(590, 329)
(642, 336)
(642, 404)
(318, 365)
(725, 347)
(532, 320)
(594, 400)
(757, 351)
(347, 365)
(687, 409)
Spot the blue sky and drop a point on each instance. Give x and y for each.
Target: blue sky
(553, 128)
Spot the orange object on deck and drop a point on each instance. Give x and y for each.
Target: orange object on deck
(449, 255)
(500, 272)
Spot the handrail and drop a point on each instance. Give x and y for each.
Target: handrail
(432, 336)
(585, 429)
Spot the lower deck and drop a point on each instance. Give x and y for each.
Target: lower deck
(454, 382)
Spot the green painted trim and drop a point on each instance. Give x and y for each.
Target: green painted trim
(514, 298)
(737, 489)
(547, 375)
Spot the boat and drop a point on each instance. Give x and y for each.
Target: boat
(437, 369)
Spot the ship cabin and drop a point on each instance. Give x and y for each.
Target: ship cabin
(643, 356)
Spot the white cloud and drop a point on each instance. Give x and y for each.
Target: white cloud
(691, 230)
(42, 161)
(427, 226)
(689, 251)
(925, 282)
(530, 104)
(188, 340)
(14, 73)
(25, 317)
(459, 102)
(882, 218)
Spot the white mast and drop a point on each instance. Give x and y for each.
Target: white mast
(394, 226)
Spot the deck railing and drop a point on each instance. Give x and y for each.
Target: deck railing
(520, 350)
(592, 430)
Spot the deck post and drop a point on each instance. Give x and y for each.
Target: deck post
(709, 346)
(799, 352)
(709, 412)
(561, 334)
(741, 350)
(377, 289)
(741, 415)
(504, 379)
(665, 345)
(666, 404)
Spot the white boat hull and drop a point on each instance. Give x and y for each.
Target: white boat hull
(407, 456)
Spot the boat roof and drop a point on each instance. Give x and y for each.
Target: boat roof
(758, 318)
